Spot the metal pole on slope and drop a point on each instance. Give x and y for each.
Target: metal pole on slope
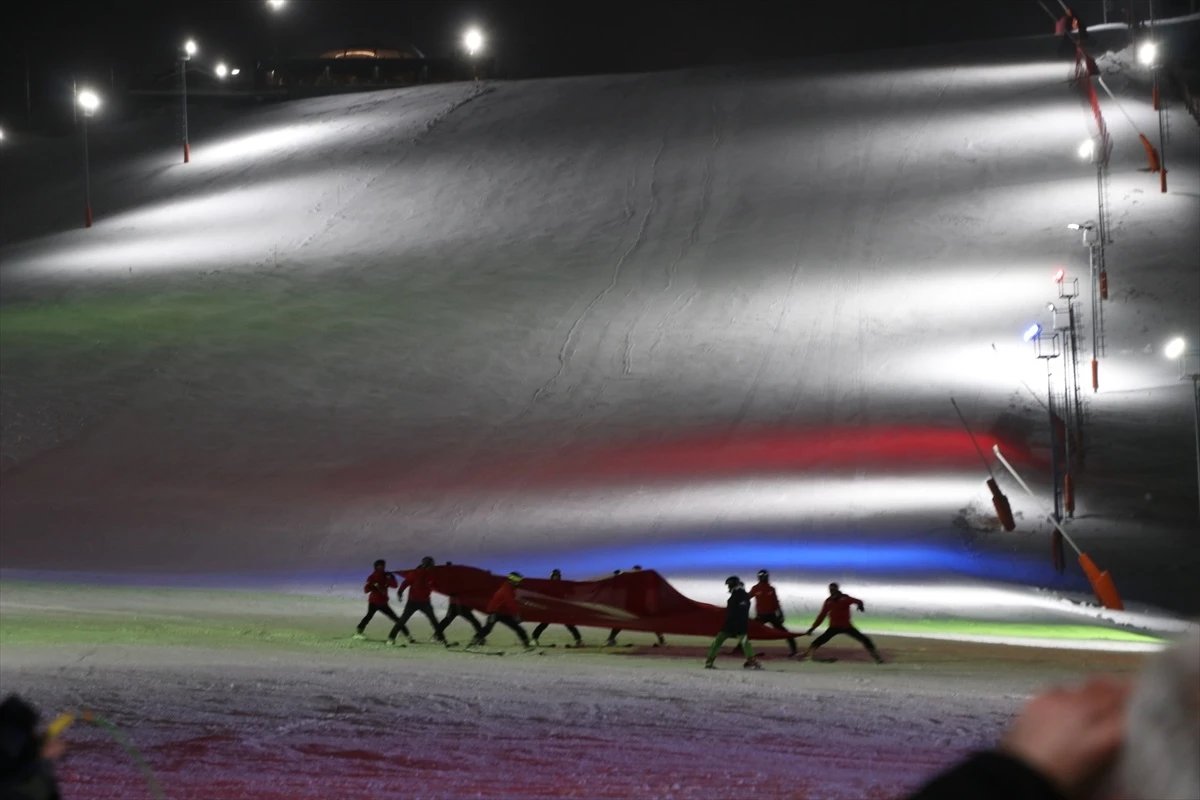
(999, 501)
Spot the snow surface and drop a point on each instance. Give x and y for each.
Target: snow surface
(263, 696)
(708, 320)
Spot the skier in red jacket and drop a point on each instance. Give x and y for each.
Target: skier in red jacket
(504, 608)
(419, 583)
(556, 575)
(376, 589)
(766, 606)
(837, 606)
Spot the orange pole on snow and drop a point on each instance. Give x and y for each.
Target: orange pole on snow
(1102, 583)
(1095, 375)
(1103, 285)
(1069, 495)
(1151, 153)
(1162, 181)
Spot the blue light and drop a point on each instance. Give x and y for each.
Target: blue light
(1032, 332)
(748, 555)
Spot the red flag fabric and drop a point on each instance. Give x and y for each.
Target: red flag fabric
(635, 601)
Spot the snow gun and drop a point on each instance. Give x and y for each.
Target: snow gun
(1101, 581)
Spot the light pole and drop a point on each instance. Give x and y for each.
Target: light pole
(1089, 152)
(1148, 56)
(1090, 240)
(1175, 350)
(189, 50)
(89, 102)
(473, 44)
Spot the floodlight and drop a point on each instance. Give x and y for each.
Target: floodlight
(189, 48)
(1059, 274)
(88, 100)
(1175, 348)
(1148, 53)
(221, 70)
(1086, 148)
(276, 4)
(235, 71)
(1032, 332)
(473, 41)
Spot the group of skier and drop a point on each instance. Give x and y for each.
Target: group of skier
(504, 609)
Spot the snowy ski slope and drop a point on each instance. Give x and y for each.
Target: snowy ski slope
(605, 319)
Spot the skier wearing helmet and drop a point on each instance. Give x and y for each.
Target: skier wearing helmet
(766, 606)
(737, 623)
(556, 575)
(504, 608)
(419, 583)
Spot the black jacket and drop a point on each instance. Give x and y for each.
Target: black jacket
(990, 776)
(737, 612)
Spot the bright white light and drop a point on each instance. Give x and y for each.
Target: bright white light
(1, 134)
(1086, 148)
(221, 70)
(235, 71)
(1175, 347)
(1072, 226)
(473, 41)
(276, 4)
(1050, 307)
(1148, 53)
(88, 100)
(1059, 274)
(189, 47)
(1031, 332)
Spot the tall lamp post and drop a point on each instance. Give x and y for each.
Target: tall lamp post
(1091, 238)
(89, 102)
(473, 44)
(1148, 55)
(1175, 350)
(189, 50)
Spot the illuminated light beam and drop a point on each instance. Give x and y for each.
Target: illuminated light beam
(751, 554)
(979, 601)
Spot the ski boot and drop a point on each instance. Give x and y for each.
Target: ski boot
(709, 665)
(875, 655)
(752, 663)
(392, 643)
(610, 643)
(536, 643)
(360, 636)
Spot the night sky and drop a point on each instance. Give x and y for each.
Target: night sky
(106, 40)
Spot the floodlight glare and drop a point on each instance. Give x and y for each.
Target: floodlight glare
(1059, 274)
(221, 70)
(1032, 332)
(1072, 226)
(276, 4)
(1175, 348)
(235, 71)
(189, 48)
(1148, 53)
(1050, 307)
(88, 100)
(473, 41)
(1086, 148)
(1, 134)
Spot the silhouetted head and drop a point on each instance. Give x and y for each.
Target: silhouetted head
(380, 564)
(834, 591)
(515, 577)
(426, 562)
(733, 583)
(764, 576)
(556, 575)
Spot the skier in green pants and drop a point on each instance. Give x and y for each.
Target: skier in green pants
(737, 623)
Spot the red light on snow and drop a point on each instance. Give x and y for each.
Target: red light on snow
(1059, 275)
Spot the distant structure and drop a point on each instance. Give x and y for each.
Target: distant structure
(350, 67)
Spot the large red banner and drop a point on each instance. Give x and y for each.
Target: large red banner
(636, 601)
